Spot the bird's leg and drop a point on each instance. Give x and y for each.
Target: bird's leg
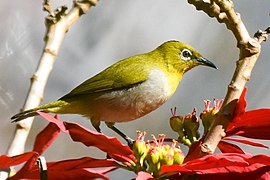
(120, 133)
(96, 124)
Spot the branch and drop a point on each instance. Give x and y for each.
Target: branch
(250, 49)
(58, 22)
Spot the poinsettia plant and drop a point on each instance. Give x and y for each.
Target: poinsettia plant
(155, 159)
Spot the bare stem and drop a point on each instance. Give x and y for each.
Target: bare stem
(58, 22)
(250, 49)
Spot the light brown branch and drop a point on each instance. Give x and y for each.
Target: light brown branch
(58, 22)
(249, 48)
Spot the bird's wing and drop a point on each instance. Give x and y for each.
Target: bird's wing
(122, 75)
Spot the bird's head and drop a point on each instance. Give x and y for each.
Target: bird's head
(182, 56)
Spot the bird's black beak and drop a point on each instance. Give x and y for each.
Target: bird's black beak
(206, 62)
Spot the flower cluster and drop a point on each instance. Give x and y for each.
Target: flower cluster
(153, 155)
(207, 116)
(186, 127)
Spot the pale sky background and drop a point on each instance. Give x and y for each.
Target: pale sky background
(114, 30)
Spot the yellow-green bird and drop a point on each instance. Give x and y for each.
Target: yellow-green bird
(128, 89)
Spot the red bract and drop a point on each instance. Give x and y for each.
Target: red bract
(245, 141)
(226, 147)
(144, 176)
(45, 138)
(227, 164)
(194, 151)
(53, 120)
(251, 124)
(82, 163)
(78, 133)
(42, 142)
(110, 145)
(6, 161)
(240, 108)
(74, 168)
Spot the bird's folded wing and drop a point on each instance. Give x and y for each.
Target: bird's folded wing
(122, 75)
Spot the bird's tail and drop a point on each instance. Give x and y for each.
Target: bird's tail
(24, 114)
(53, 107)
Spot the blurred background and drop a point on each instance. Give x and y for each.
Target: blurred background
(114, 30)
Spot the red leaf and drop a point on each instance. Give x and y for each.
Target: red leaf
(174, 169)
(28, 167)
(73, 169)
(45, 138)
(244, 141)
(144, 176)
(76, 174)
(226, 147)
(86, 162)
(73, 174)
(54, 120)
(111, 145)
(6, 161)
(194, 151)
(257, 174)
(253, 124)
(81, 168)
(240, 108)
(223, 163)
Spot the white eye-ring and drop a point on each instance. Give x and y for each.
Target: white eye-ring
(186, 54)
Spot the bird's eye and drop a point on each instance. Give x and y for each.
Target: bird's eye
(186, 54)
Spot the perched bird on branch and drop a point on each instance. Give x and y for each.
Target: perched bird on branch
(128, 89)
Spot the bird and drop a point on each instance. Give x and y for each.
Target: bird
(128, 89)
